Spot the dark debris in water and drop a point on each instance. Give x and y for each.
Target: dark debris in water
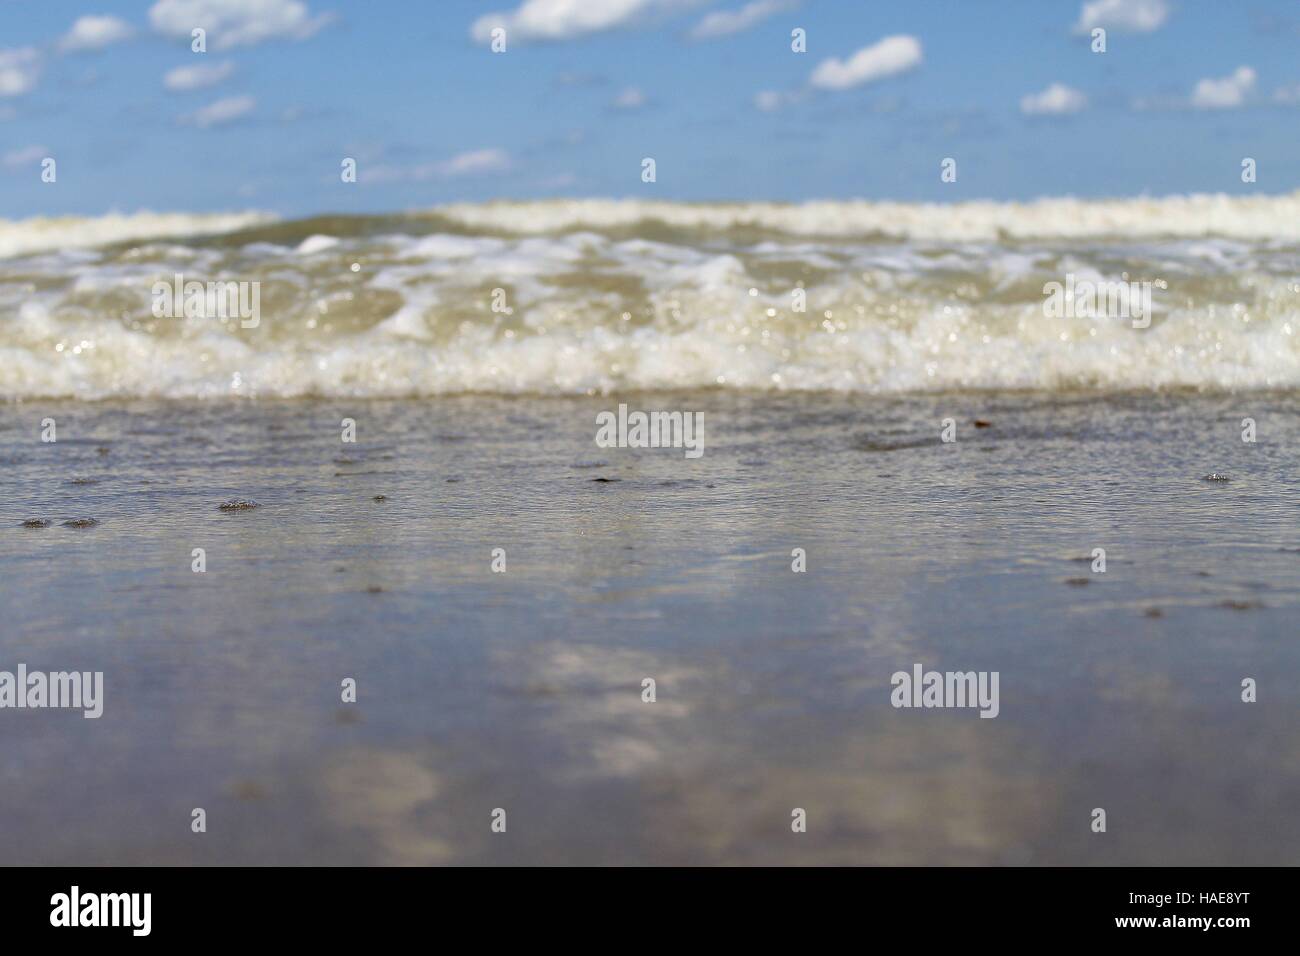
(1153, 612)
(239, 504)
(248, 790)
(80, 523)
(867, 443)
(1078, 582)
(606, 481)
(1215, 476)
(379, 498)
(981, 423)
(1234, 605)
(37, 523)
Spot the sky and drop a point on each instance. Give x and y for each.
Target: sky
(585, 90)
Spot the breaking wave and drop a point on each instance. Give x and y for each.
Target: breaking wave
(573, 296)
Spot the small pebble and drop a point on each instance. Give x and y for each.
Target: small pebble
(239, 504)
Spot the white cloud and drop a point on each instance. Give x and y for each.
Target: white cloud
(232, 23)
(576, 79)
(1287, 95)
(222, 111)
(197, 77)
(1224, 93)
(769, 101)
(630, 99)
(1057, 100)
(567, 19)
(474, 163)
(723, 23)
(891, 56)
(95, 33)
(1124, 16)
(18, 71)
(24, 157)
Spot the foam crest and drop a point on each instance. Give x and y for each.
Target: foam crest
(562, 298)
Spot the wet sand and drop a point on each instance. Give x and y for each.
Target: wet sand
(522, 690)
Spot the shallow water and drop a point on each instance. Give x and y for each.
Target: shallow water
(522, 690)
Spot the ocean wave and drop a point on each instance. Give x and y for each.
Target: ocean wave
(39, 234)
(1242, 217)
(564, 298)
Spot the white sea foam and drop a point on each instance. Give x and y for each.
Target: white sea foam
(314, 244)
(607, 300)
(1249, 217)
(18, 237)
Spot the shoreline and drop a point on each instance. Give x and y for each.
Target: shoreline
(478, 689)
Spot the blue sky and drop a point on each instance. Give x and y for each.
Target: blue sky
(585, 90)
